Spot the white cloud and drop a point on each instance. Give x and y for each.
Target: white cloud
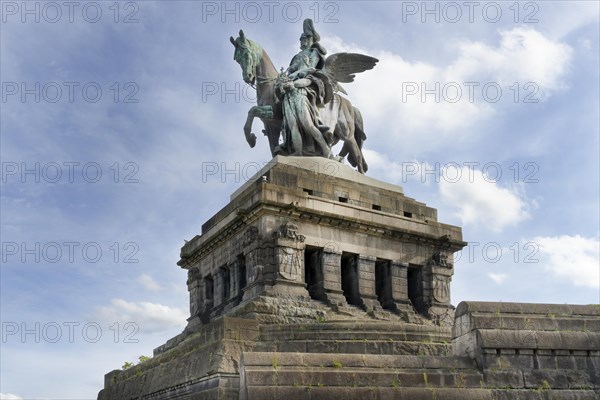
(574, 258)
(392, 79)
(422, 122)
(480, 200)
(148, 282)
(498, 278)
(9, 396)
(565, 17)
(523, 55)
(384, 168)
(149, 317)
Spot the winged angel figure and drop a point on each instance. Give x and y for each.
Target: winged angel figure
(302, 104)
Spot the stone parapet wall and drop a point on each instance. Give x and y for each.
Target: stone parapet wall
(526, 316)
(531, 346)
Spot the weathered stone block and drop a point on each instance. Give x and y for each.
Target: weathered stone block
(545, 379)
(504, 379)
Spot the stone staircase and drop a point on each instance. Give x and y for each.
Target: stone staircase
(270, 375)
(312, 376)
(364, 337)
(357, 360)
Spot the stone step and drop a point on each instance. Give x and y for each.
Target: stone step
(355, 335)
(356, 331)
(401, 393)
(310, 376)
(360, 377)
(395, 338)
(262, 369)
(389, 347)
(355, 360)
(528, 394)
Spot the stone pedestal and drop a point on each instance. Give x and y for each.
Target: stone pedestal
(310, 228)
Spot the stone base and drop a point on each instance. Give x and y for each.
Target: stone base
(502, 351)
(310, 284)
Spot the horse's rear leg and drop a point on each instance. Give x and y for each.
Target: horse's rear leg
(272, 131)
(356, 153)
(351, 148)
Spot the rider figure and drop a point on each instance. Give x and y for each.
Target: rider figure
(302, 90)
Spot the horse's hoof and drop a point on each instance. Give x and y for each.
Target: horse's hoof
(251, 140)
(337, 158)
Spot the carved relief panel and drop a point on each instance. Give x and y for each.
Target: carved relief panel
(289, 252)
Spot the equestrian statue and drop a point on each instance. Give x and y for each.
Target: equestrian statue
(302, 105)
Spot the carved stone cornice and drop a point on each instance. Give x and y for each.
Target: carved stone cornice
(296, 212)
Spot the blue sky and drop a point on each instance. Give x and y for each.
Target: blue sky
(88, 251)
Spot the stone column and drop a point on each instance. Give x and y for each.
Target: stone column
(194, 283)
(399, 282)
(233, 279)
(254, 264)
(227, 286)
(366, 283)
(218, 292)
(383, 284)
(332, 277)
(234, 276)
(400, 287)
(208, 294)
(427, 281)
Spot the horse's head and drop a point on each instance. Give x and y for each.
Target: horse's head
(247, 54)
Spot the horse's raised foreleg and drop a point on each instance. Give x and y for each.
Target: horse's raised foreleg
(263, 112)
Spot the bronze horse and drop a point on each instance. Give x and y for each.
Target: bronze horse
(258, 70)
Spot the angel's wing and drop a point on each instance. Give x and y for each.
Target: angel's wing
(342, 67)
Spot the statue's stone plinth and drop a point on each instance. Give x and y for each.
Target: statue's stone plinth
(310, 228)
